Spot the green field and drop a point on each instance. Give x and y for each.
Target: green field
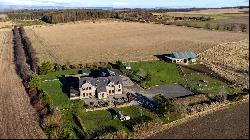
(213, 86)
(162, 73)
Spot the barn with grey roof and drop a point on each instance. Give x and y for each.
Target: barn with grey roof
(182, 57)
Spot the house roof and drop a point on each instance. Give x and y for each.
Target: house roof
(184, 55)
(84, 71)
(101, 82)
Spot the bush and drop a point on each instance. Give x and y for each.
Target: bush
(109, 66)
(47, 101)
(235, 97)
(165, 105)
(207, 26)
(119, 65)
(243, 27)
(57, 67)
(45, 67)
(35, 82)
(220, 97)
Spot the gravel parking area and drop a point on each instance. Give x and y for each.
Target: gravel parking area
(169, 91)
(230, 123)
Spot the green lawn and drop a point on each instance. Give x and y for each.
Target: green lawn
(162, 73)
(214, 85)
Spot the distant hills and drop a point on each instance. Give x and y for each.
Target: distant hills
(6, 8)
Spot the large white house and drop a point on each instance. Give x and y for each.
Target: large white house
(101, 87)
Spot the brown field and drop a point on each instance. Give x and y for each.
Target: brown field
(230, 123)
(17, 117)
(231, 60)
(221, 11)
(110, 41)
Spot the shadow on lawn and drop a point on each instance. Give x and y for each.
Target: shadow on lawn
(68, 83)
(95, 133)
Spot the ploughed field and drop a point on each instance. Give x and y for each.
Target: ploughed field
(230, 123)
(110, 41)
(17, 117)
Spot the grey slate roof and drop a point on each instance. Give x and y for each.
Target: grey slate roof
(184, 55)
(101, 82)
(84, 71)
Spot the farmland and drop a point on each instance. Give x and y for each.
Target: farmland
(110, 41)
(17, 117)
(229, 123)
(231, 60)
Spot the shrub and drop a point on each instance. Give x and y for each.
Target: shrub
(235, 97)
(207, 25)
(35, 82)
(243, 27)
(217, 27)
(119, 64)
(220, 97)
(57, 67)
(45, 98)
(45, 67)
(165, 105)
(109, 66)
(66, 133)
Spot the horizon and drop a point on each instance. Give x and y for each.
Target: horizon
(22, 4)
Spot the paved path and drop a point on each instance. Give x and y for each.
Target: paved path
(229, 123)
(17, 117)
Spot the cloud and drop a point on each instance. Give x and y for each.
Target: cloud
(119, 4)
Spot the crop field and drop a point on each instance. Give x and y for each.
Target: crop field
(17, 117)
(110, 41)
(231, 60)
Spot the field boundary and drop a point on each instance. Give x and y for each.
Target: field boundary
(188, 118)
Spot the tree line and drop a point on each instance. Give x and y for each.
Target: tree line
(30, 51)
(20, 58)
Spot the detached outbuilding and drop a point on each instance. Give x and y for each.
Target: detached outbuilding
(182, 57)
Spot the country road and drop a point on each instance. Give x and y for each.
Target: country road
(230, 123)
(17, 117)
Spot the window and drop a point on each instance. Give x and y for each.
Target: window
(83, 94)
(113, 91)
(87, 94)
(119, 86)
(90, 94)
(109, 91)
(119, 90)
(89, 88)
(103, 95)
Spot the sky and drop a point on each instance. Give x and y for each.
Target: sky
(129, 3)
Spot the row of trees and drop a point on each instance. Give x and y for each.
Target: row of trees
(30, 51)
(20, 58)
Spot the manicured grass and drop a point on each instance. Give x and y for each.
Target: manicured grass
(98, 119)
(162, 73)
(56, 74)
(214, 85)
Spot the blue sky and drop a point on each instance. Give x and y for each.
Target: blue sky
(128, 3)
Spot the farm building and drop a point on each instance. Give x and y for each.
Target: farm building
(182, 57)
